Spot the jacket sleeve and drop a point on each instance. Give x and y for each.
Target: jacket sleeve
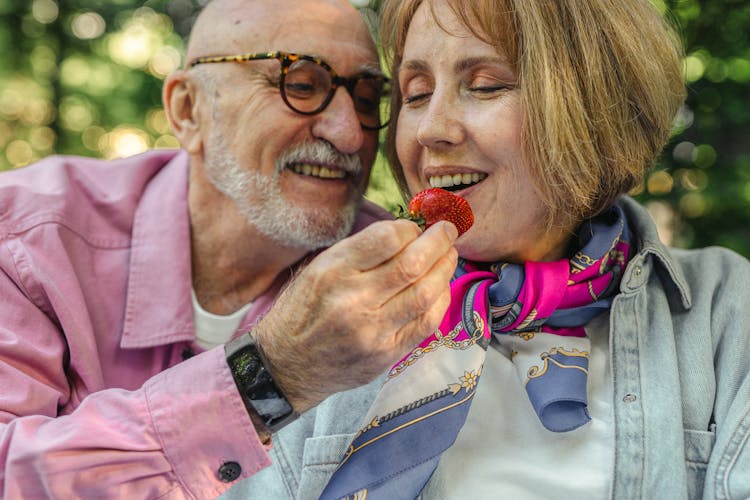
(169, 438)
(728, 474)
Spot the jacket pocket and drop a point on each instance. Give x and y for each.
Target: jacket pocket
(320, 458)
(698, 446)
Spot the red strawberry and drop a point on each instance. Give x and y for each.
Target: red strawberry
(435, 204)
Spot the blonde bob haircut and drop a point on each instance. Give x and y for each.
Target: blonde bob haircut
(600, 81)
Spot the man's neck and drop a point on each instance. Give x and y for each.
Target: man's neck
(232, 264)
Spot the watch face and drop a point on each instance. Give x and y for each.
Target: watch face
(257, 386)
(272, 409)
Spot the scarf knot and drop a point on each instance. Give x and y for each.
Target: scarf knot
(536, 313)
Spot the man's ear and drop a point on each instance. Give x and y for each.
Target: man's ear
(181, 106)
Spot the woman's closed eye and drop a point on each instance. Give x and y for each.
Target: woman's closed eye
(416, 98)
(415, 89)
(488, 87)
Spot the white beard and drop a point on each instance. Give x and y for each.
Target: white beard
(261, 202)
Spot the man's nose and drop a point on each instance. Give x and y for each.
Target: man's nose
(339, 123)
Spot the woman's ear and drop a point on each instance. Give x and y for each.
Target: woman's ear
(181, 106)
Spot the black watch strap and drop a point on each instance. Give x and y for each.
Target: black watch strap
(256, 384)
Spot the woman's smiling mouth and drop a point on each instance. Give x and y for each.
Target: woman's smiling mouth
(455, 182)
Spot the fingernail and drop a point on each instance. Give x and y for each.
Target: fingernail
(450, 230)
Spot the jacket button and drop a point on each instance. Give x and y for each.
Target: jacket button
(229, 471)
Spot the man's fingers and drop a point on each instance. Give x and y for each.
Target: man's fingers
(421, 326)
(425, 298)
(374, 245)
(416, 260)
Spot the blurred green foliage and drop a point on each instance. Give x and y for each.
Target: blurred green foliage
(84, 77)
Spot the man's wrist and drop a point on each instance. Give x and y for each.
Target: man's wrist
(265, 402)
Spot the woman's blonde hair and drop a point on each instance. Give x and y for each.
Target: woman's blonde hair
(600, 81)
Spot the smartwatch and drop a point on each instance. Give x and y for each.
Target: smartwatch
(256, 385)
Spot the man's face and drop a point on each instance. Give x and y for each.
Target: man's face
(297, 179)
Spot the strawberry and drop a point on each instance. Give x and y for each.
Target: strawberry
(435, 204)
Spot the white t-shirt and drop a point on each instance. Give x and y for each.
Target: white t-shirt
(211, 329)
(503, 451)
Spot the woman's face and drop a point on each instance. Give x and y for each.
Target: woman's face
(460, 128)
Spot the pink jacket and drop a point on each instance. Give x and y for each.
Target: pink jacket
(95, 320)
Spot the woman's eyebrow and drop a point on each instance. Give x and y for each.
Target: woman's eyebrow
(459, 67)
(470, 62)
(413, 65)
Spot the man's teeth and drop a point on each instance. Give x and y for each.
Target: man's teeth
(318, 171)
(444, 181)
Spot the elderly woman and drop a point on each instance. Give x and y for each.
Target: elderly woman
(580, 357)
(588, 360)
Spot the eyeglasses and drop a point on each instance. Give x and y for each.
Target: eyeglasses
(307, 86)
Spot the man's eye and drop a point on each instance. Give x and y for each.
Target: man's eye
(365, 104)
(299, 87)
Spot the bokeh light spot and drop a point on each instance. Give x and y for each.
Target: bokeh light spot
(132, 47)
(683, 152)
(88, 25)
(739, 70)
(75, 72)
(42, 139)
(694, 68)
(660, 182)
(126, 141)
(156, 119)
(91, 138)
(167, 141)
(37, 112)
(664, 216)
(717, 71)
(704, 156)
(11, 103)
(164, 61)
(19, 153)
(692, 179)
(75, 114)
(45, 11)
(693, 205)
(43, 61)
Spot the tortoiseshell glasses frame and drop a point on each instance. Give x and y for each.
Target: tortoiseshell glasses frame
(308, 84)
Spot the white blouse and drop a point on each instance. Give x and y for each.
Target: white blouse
(503, 451)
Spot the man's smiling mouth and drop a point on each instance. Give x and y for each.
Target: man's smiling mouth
(319, 171)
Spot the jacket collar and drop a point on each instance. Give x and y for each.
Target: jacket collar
(648, 243)
(158, 308)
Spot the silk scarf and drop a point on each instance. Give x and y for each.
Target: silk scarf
(540, 307)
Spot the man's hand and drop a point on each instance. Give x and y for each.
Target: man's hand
(357, 308)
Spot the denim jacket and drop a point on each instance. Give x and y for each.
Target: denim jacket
(680, 361)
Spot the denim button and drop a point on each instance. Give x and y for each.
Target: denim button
(229, 471)
(629, 398)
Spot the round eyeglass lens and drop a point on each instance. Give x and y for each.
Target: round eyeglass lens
(369, 96)
(306, 86)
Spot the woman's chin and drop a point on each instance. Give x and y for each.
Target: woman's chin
(467, 246)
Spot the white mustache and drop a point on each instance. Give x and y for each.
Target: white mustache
(319, 153)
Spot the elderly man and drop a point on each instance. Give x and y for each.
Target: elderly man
(122, 281)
